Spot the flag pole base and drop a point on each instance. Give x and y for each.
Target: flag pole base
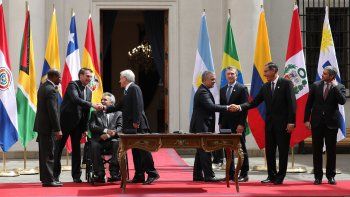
(28, 171)
(259, 168)
(297, 169)
(66, 168)
(9, 173)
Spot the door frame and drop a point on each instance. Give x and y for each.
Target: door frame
(172, 85)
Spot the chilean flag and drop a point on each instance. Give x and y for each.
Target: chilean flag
(295, 70)
(8, 106)
(72, 64)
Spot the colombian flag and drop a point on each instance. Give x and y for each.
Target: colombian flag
(52, 53)
(90, 60)
(262, 56)
(26, 90)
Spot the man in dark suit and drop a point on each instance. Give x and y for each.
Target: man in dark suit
(104, 129)
(48, 127)
(279, 98)
(75, 109)
(322, 106)
(203, 120)
(134, 117)
(235, 92)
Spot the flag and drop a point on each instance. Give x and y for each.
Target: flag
(295, 70)
(8, 106)
(230, 58)
(26, 89)
(90, 60)
(328, 58)
(204, 62)
(52, 53)
(262, 56)
(72, 64)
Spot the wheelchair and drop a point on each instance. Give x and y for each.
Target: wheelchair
(87, 160)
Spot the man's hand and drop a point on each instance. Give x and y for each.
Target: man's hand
(307, 125)
(233, 108)
(104, 137)
(98, 106)
(136, 125)
(112, 133)
(240, 129)
(290, 128)
(58, 135)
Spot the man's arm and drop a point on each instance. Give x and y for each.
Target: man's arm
(243, 99)
(291, 103)
(255, 102)
(136, 97)
(309, 103)
(73, 93)
(340, 94)
(51, 105)
(206, 102)
(95, 127)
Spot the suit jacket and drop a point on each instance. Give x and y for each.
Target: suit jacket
(204, 108)
(132, 108)
(324, 110)
(98, 123)
(74, 109)
(280, 107)
(47, 115)
(239, 95)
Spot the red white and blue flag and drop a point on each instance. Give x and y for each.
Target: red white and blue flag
(8, 106)
(72, 64)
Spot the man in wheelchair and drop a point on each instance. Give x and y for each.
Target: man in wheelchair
(104, 130)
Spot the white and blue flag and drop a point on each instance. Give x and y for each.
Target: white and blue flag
(328, 58)
(204, 62)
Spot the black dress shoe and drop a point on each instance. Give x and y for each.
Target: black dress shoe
(278, 182)
(78, 180)
(317, 182)
(52, 184)
(214, 179)
(151, 180)
(136, 180)
(198, 179)
(114, 179)
(332, 181)
(243, 178)
(268, 180)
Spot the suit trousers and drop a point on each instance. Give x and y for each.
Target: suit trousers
(276, 138)
(202, 165)
(75, 136)
(111, 146)
(46, 157)
(143, 162)
(322, 134)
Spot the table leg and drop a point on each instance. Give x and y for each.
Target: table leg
(228, 165)
(238, 167)
(122, 164)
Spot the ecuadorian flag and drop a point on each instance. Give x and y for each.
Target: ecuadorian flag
(52, 53)
(262, 56)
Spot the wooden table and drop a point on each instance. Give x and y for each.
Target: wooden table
(207, 141)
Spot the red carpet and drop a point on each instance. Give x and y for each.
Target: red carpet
(176, 180)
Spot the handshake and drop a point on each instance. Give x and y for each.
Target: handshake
(98, 106)
(233, 108)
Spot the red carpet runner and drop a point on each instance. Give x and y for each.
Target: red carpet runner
(176, 180)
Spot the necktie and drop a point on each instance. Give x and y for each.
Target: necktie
(125, 92)
(326, 91)
(84, 92)
(272, 88)
(228, 93)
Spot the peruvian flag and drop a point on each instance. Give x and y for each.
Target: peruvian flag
(72, 64)
(295, 70)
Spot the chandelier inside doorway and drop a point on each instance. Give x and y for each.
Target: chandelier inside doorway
(141, 55)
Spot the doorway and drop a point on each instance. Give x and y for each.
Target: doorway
(137, 40)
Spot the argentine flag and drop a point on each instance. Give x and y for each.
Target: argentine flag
(204, 62)
(328, 58)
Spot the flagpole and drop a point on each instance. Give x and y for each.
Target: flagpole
(25, 170)
(66, 167)
(261, 167)
(4, 172)
(293, 169)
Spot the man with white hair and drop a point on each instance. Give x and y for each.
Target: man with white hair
(134, 117)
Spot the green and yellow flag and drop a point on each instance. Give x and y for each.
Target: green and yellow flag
(26, 91)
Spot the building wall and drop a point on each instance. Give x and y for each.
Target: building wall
(185, 16)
